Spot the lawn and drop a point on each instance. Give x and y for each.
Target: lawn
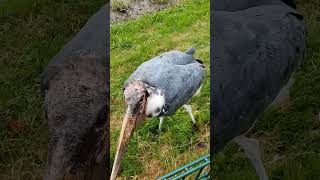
(290, 134)
(31, 32)
(135, 41)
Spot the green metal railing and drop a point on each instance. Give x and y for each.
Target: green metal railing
(183, 172)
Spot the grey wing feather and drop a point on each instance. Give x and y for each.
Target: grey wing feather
(173, 58)
(191, 51)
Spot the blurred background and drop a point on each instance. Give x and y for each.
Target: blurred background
(31, 33)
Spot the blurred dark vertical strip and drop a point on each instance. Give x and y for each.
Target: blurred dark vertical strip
(211, 84)
(76, 88)
(108, 88)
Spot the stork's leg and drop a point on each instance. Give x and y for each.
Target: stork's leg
(160, 124)
(189, 109)
(252, 150)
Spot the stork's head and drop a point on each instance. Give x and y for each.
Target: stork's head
(135, 99)
(141, 101)
(136, 95)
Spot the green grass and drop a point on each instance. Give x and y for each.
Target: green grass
(292, 131)
(31, 32)
(136, 41)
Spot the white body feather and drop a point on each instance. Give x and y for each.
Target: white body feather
(155, 103)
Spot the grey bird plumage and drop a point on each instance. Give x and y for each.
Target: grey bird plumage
(258, 44)
(253, 59)
(239, 5)
(177, 73)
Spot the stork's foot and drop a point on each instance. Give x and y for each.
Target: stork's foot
(189, 110)
(159, 130)
(252, 150)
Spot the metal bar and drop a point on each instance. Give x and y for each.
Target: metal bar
(184, 168)
(200, 171)
(192, 170)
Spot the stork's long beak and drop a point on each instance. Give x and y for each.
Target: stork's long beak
(128, 127)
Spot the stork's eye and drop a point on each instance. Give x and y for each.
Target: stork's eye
(157, 110)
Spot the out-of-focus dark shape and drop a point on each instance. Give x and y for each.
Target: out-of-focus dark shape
(76, 89)
(239, 5)
(257, 45)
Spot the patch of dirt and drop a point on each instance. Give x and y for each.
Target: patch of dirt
(137, 8)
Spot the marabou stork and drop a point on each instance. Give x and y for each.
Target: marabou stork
(158, 88)
(75, 86)
(257, 45)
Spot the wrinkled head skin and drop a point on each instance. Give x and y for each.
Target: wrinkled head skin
(76, 105)
(135, 99)
(135, 95)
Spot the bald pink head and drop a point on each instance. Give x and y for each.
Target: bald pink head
(135, 99)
